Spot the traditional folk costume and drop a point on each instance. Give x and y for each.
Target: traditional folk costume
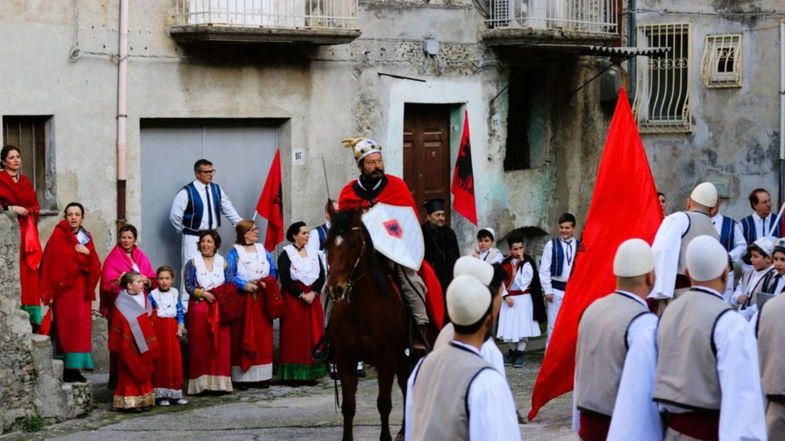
(22, 194)
(520, 321)
(751, 284)
(732, 239)
(616, 358)
(302, 325)
(252, 335)
(209, 341)
(558, 258)
(117, 263)
(441, 251)
(168, 318)
(491, 255)
(189, 217)
(771, 344)
(68, 280)
(133, 340)
(754, 227)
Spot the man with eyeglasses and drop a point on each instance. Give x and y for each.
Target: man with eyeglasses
(189, 215)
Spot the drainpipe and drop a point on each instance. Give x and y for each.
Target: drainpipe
(632, 38)
(782, 110)
(122, 116)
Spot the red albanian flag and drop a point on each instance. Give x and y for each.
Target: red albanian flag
(270, 205)
(624, 206)
(463, 177)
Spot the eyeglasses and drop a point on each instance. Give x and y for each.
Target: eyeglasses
(208, 172)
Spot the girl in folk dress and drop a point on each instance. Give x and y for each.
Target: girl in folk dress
(302, 325)
(169, 321)
(523, 305)
(209, 341)
(133, 341)
(253, 269)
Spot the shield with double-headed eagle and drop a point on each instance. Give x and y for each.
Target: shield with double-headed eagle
(396, 233)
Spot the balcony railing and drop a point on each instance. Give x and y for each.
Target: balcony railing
(299, 18)
(576, 17)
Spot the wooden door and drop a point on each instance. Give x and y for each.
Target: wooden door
(426, 153)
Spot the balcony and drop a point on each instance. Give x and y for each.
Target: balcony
(265, 21)
(538, 22)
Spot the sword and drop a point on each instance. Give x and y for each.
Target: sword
(326, 184)
(777, 221)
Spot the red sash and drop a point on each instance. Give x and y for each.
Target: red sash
(703, 425)
(594, 426)
(517, 292)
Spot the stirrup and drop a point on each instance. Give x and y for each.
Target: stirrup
(321, 351)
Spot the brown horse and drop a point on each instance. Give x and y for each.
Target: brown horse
(369, 319)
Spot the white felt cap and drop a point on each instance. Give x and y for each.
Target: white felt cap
(706, 258)
(467, 300)
(705, 194)
(472, 266)
(766, 244)
(490, 230)
(633, 258)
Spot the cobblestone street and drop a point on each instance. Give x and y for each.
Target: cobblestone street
(279, 413)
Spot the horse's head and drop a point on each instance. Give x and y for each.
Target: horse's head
(346, 245)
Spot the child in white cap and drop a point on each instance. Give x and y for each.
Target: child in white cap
(751, 282)
(485, 250)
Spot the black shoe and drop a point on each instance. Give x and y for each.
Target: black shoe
(518, 362)
(361, 373)
(73, 376)
(241, 386)
(508, 359)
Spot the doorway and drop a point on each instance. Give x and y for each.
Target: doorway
(426, 153)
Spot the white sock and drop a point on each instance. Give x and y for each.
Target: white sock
(521, 346)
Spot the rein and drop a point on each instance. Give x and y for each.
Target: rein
(350, 282)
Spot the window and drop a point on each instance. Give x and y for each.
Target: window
(721, 65)
(31, 135)
(517, 154)
(662, 103)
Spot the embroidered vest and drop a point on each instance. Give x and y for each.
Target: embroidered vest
(771, 347)
(751, 233)
(322, 231)
(728, 233)
(194, 211)
(557, 253)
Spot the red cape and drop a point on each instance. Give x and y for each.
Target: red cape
(61, 263)
(23, 194)
(396, 192)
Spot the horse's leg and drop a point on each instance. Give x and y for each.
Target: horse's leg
(347, 373)
(402, 374)
(384, 399)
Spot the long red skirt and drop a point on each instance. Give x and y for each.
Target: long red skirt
(130, 392)
(301, 328)
(252, 349)
(73, 321)
(168, 373)
(208, 352)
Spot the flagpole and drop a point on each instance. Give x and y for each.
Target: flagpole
(777, 221)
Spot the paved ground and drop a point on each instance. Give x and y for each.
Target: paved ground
(280, 413)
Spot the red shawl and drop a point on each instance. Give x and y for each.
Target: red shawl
(22, 194)
(115, 264)
(396, 192)
(61, 264)
(250, 344)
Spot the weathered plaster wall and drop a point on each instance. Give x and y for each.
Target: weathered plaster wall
(735, 137)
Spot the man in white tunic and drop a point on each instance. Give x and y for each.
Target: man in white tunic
(198, 207)
(556, 264)
(616, 355)
(732, 238)
(673, 236)
(456, 394)
(705, 355)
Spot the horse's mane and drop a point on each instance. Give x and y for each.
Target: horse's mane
(342, 223)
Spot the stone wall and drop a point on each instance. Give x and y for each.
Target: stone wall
(30, 381)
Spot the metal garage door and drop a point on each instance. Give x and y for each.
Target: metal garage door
(241, 151)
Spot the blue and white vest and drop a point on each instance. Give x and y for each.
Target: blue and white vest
(557, 259)
(728, 233)
(321, 230)
(194, 211)
(750, 232)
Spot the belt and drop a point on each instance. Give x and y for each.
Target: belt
(682, 281)
(594, 426)
(558, 284)
(703, 425)
(517, 292)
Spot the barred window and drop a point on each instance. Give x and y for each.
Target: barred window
(721, 64)
(663, 93)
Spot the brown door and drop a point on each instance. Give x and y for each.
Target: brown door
(426, 153)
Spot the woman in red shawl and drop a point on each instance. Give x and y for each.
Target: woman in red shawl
(18, 195)
(124, 257)
(69, 273)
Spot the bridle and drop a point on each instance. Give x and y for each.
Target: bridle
(350, 281)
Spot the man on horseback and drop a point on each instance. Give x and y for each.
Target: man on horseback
(372, 187)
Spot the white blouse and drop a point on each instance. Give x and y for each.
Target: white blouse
(303, 269)
(209, 279)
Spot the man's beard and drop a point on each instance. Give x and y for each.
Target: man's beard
(373, 176)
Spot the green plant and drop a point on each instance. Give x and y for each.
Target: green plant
(32, 423)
